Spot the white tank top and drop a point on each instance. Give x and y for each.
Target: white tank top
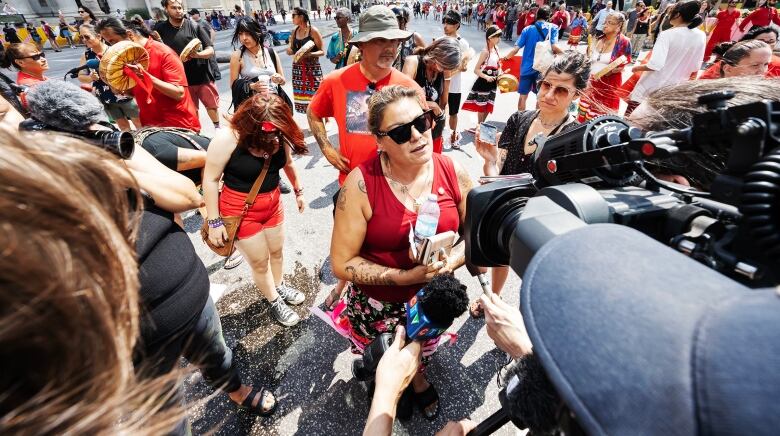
(250, 69)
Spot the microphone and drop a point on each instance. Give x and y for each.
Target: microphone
(93, 64)
(428, 314)
(433, 309)
(64, 106)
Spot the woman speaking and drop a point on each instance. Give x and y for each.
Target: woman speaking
(376, 209)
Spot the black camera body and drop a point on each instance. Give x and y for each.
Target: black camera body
(595, 174)
(121, 144)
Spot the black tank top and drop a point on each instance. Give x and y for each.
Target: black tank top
(243, 168)
(433, 89)
(298, 43)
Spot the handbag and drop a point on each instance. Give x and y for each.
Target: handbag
(232, 223)
(543, 53)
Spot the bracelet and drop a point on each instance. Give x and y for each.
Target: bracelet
(215, 223)
(298, 192)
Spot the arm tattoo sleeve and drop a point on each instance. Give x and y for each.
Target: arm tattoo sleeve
(317, 128)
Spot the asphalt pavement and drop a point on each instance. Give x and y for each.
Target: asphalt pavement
(309, 366)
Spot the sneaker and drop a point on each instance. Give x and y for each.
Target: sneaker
(233, 260)
(284, 187)
(455, 142)
(290, 295)
(283, 314)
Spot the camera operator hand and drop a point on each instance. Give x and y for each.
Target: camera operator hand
(460, 428)
(505, 326)
(395, 371)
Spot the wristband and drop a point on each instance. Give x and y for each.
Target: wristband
(298, 191)
(215, 223)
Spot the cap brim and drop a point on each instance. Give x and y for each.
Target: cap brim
(386, 34)
(616, 319)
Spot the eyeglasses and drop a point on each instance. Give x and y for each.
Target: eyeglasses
(559, 92)
(35, 57)
(403, 133)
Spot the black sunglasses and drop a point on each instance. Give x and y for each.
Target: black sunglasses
(449, 21)
(81, 12)
(403, 133)
(35, 57)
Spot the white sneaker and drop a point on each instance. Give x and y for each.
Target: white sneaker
(234, 260)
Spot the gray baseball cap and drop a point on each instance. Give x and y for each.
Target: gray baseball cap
(379, 22)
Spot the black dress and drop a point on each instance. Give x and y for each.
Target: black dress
(513, 141)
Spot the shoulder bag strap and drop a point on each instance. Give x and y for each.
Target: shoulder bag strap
(250, 198)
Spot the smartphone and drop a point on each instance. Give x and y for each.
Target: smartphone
(488, 133)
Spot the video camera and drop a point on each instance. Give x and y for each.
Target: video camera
(121, 144)
(595, 173)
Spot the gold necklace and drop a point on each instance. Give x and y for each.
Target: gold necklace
(405, 189)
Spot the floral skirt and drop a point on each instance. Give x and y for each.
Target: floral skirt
(306, 77)
(369, 318)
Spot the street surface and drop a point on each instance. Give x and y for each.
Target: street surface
(309, 366)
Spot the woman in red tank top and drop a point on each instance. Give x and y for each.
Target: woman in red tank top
(375, 211)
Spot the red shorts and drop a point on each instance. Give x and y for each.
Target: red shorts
(267, 212)
(206, 94)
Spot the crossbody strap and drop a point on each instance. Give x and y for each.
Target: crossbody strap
(250, 198)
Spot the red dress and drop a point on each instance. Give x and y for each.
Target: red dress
(722, 31)
(603, 96)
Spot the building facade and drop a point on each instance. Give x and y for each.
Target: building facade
(51, 8)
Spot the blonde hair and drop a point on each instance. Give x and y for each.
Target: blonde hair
(69, 314)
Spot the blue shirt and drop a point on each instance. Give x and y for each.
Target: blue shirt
(528, 39)
(601, 17)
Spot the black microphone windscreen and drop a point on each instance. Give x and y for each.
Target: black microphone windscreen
(64, 106)
(445, 299)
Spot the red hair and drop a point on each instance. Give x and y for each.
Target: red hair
(250, 115)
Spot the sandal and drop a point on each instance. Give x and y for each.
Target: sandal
(404, 409)
(258, 408)
(333, 298)
(476, 310)
(426, 399)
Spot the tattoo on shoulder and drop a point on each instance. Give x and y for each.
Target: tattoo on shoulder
(464, 181)
(362, 186)
(341, 203)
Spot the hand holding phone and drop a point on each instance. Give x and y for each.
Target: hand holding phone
(488, 133)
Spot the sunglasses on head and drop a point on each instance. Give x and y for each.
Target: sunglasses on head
(403, 133)
(35, 57)
(544, 86)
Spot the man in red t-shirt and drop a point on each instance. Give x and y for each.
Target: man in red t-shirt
(344, 94)
(169, 103)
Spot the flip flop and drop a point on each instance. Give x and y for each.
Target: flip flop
(425, 399)
(258, 408)
(333, 298)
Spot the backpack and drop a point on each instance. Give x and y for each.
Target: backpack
(543, 53)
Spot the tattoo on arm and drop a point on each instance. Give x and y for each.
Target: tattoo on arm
(317, 128)
(369, 273)
(362, 186)
(502, 154)
(341, 203)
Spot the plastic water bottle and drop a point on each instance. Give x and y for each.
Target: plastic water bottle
(427, 219)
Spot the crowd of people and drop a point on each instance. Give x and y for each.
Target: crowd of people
(104, 240)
